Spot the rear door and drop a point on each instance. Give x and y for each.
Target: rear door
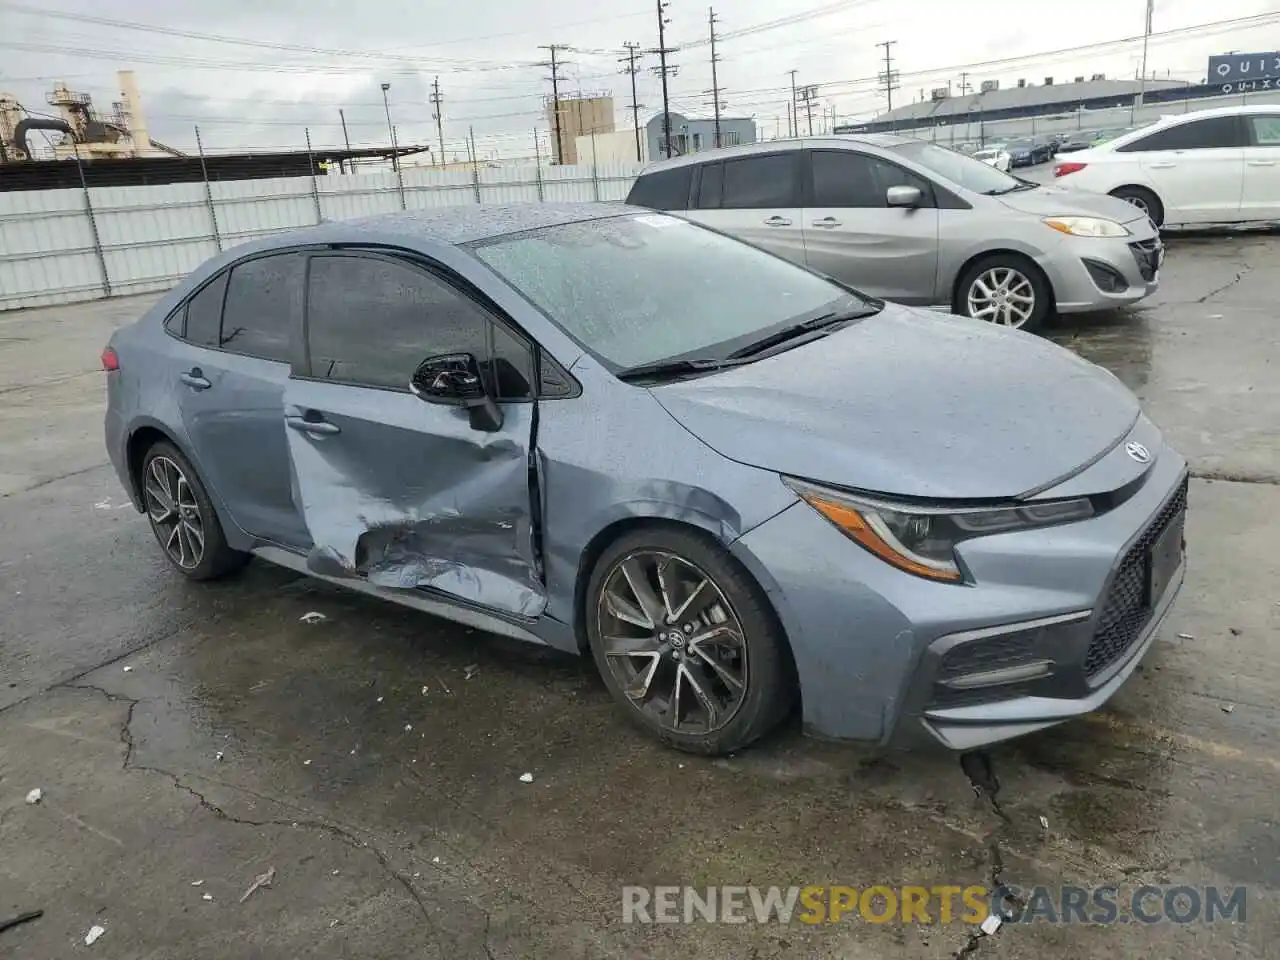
(1260, 199)
(852, 234)
(1196, 168)
(756, 198)
(239, 332)
(402, 492)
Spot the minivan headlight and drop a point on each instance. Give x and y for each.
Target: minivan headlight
(922, 539)
(1087, 226)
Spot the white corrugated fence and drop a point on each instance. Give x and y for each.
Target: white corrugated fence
(64, 246)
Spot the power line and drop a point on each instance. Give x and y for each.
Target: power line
(786, 21)
(664, 71)
(633, 50)
(555, 78)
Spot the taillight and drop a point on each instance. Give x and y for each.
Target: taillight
(1062, 169)
(110, 362)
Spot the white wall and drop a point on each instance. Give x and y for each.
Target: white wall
(64, 246)
(618, 147)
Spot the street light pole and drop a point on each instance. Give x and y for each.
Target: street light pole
(1146, 37)
(386, 105)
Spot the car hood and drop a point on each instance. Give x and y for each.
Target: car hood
(913, 404)
(1055, 201)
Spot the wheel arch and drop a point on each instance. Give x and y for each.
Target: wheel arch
(1142, 188)
(1022, 255)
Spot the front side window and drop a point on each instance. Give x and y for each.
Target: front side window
(638, 289)
(845, 179)
(1213, 133)
(758, 183)
(959, 169)
(263, 306)
(371, 321)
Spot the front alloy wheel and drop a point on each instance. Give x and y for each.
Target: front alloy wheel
(1002, 295)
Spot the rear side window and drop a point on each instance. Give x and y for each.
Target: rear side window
(755, 183)
(1214, 133)
(204, 313)
(263, 306)
(1266, 130)
(663, 189)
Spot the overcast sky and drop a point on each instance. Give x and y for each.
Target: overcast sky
(301, 60)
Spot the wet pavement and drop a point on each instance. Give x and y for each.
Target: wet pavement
(203, 733)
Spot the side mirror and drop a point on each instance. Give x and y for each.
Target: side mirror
(454, 380)
(903, 196)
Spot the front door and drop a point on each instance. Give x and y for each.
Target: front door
(853, 235)
(404, 493)
(756, 199)
(1261, 197)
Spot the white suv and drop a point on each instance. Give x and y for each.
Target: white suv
(1211, 166)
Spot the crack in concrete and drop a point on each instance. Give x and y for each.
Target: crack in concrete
(341, 833)
(1227, 476)
(1244, 272)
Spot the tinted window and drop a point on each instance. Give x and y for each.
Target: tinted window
(372, 321)
(754, 183)
(1266, 131)
(663, 189)
(1215, 132)
(204, 313)
(635, 289)
(842, 179)
(264, 303)
(711, 186)
(512, 365)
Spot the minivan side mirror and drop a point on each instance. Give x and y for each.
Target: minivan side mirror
(454, 380)
(903, 196)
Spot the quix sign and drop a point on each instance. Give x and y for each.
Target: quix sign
(1245, 72)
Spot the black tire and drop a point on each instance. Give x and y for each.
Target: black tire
(216, 558)
(1043, 305)
(769, 691)
(1143, 199)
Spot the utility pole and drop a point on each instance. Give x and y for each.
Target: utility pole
(436, 101)
(793, 125)
(555, 66)
(386, 105)
(890, 77)
(965, 86)
(1146, 37)
(632, 50)
(807, 95)
(664, 71)
(715, 82)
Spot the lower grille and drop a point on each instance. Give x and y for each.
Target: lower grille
(1147, 255)
(1127, 608)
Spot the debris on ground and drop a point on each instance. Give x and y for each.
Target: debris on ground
(313, 616)
(207, 896)
(128, 669)
(526, 778)
(991, 924)
(264, 880)
(306, 763)
(1228, 708)
(20, 919)
(1044, 823)
(197, 883)
(218, 755)
(1185, 636)
(35, 796)
(94, 933)
(408, 727)
(435, 859)
(380, 699)
(333, 923)
(470, 671)
(1235, 631)
(424, 690)
(444, 686)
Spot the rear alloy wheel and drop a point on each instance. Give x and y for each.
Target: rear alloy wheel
(1144, 200)
(182, 517)
(686, 643)
(1005, 291)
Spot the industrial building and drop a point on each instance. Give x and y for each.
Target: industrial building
(688, 135)
(577, 116)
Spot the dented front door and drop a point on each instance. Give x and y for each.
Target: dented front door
(401, 492)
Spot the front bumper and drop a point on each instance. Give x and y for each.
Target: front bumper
(1089, 273)
(875, 649)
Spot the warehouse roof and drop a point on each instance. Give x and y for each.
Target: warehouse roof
(1013, 98)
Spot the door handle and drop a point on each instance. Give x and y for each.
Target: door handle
(1261, 163)
(827, 222)
(776, 221)
(303, 425)
(1162, 165)
(195, 379)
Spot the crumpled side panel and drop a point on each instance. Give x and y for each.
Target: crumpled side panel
(410, 510)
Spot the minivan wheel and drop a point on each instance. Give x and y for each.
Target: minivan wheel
(1006, 290)
(182, 518)
(1144, 200)
(686, 642)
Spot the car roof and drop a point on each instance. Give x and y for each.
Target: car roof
(883, 141)
(461, 224)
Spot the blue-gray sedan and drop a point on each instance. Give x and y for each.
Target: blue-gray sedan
(737, 483)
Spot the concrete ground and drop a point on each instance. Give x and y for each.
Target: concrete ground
(186, 734)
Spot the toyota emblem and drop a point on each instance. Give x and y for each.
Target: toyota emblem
(1138, 452)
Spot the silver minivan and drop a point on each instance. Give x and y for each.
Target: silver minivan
(909, 221)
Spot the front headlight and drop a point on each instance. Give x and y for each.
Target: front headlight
(1087, 227)
(922, 539)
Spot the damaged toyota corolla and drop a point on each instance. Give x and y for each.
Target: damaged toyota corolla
(738, 484)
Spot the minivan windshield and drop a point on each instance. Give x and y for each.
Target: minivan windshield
(644, 288)
(961, 170)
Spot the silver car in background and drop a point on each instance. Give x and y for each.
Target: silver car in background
(912, 222)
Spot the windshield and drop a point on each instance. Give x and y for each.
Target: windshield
(961, 170)
(644, 288)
